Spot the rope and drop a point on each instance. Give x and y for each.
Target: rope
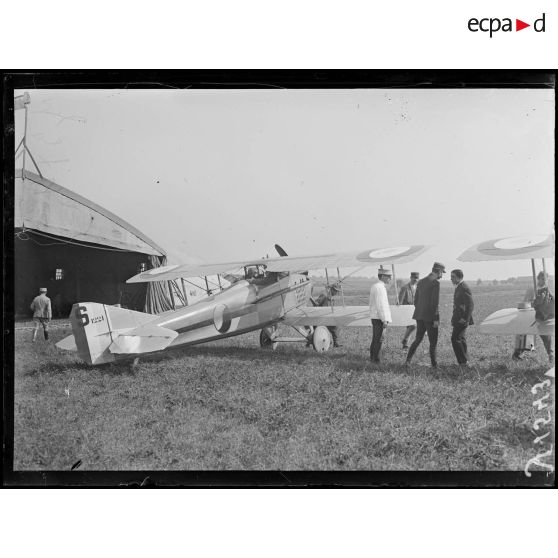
(23, 236)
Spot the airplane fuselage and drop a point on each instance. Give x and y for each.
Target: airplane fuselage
(245, 306)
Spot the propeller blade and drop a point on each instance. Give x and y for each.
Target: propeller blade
(280, 251)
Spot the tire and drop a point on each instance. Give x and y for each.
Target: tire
(321, 339)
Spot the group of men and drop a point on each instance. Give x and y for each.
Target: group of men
(424, 294)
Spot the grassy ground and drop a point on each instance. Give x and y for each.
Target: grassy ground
(231, 405)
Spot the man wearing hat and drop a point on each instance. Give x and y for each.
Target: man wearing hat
(462, 316)
(406, 298)
(42, 313)
(380, 313)
(327, 299)
(427, 314)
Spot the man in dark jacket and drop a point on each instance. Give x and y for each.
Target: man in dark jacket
(406, 298)
(462, 316)
(427, 315)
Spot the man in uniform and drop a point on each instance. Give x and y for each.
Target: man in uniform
(462, 316)
(42, 313)
(406, 298)
(327, 299)
(427, 314)
(380, 313)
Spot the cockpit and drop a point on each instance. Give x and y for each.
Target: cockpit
(258, 275)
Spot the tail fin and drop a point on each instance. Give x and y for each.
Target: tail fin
(97, 326)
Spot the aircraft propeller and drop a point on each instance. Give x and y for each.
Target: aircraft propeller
(280, 251)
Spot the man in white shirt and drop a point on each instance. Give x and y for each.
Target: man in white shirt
(380, 313)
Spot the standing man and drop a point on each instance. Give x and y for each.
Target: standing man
(544, 310)
(380, 313)
(462, 316)
(542, 301)
(327, 299)
(42, 313)
(427, 314)
(406, 298)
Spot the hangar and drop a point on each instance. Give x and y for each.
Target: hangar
(80, 252)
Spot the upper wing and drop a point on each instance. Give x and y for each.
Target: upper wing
(512, 248)
(345, 316)
(512, 321)
(374, 256)
(169, 272)
(362, 258)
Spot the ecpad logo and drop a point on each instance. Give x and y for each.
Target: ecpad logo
(493, 25)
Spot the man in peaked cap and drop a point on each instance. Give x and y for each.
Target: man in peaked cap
(380, 313)
(42, 313)
(407, 298)
(427, 313)
(327, 298)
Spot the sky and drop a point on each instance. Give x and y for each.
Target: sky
(220, 175)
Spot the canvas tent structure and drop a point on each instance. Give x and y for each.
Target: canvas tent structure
(80, 251)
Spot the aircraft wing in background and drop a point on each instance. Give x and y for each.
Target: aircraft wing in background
(514, 321)
(512, 248)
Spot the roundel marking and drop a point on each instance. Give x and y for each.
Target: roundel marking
(383, 253)
(519, 242)
(389, 252)
(221, 318)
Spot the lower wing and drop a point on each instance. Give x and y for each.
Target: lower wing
(514, 321)
(345, 316)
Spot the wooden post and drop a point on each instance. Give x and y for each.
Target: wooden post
(24, 144)
(395, 283)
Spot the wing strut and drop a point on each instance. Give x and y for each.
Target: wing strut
(328, 290)
(171, 295)
(341, 286)
(184, 291)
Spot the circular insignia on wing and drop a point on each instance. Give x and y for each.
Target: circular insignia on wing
(221, 318)
(162, 269)
(516, 242)
(381, 254)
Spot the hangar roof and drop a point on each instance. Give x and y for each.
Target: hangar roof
(43, 205)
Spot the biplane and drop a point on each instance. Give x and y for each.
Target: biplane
(267, 292)
(520, 320)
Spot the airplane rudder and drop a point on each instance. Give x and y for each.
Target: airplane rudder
(92, 332)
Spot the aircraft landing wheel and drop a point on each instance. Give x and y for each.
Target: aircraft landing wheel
(321, 339)
(267, 336)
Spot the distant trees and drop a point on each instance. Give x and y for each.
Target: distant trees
(479, 281)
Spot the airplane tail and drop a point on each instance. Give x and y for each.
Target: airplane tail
(102, 332)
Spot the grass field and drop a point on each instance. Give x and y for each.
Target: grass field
(231, 405)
